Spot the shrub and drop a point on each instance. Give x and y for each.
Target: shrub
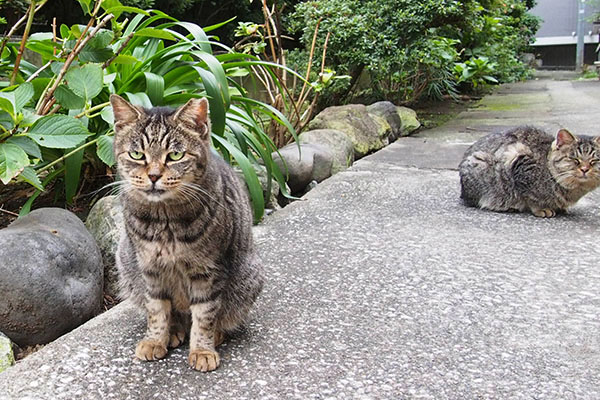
(408, 48)
(56, 117)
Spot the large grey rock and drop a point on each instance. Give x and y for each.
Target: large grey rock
(410, 123)
(105, 222)
(7, 357)
(387, 111)
(338, 144)
(312, 163)
(354, 120)
(50, 276)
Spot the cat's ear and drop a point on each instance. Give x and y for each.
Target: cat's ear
(194, 114)
(125, 113)
(564, 137)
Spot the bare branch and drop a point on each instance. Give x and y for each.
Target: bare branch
(119, 50)
(30, 14)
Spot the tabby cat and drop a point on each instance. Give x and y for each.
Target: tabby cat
(525, 169)
(186, 254)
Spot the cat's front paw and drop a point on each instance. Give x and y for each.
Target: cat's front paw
(544, 213)
(176, 339)
(150, 350)
(204, 360)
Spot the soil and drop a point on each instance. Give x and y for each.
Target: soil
(14, 195)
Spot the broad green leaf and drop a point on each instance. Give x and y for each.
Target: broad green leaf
(155, 88)
(68, 99)
(90, 54)
(155, 33)
(29, 176)
(6, 120)
(139, 99)
(72, 174)
(101, 39)
(7, 103)
(58, 131)
(86, 81)
(110, 78)
(45, 48)
(107, 115)
(28, 145)
(29, 118)
(23, 94)
(120, 9)
(12, 161)
(108, 4)
(40, 36)
(125, 59)
(105, 150)
(64, 31)
(85, 5)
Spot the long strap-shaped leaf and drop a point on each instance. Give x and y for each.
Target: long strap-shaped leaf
(254, 188)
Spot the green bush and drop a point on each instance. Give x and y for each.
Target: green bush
(56, 117)
(408, 48)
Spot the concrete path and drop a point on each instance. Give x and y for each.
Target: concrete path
(381, 285)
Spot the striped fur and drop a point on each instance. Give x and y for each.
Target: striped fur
(186, 255)
(525, 169)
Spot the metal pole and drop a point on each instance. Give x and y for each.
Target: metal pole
(580, 36)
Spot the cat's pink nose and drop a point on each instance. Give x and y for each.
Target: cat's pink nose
(153, 178)
(585, 168)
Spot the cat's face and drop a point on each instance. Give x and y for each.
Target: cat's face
(575, 160)
(161, 154)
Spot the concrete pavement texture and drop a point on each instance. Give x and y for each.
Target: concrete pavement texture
(382, 285)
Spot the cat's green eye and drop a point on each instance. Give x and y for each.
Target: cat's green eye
(576, 161)
(175, 155)
(136, 155)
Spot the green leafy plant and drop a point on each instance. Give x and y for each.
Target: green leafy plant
(56, 116)
(294, 96)
(477, 71)
(402, 50)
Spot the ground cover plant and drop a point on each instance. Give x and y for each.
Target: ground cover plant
(55, 117)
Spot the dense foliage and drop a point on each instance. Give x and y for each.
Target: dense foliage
(55, 117)
(411, 48)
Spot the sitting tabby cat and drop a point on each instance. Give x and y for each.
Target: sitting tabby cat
(186, 254)
(525, 169)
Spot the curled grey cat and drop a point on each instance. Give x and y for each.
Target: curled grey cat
(526, 169)
(186, 254)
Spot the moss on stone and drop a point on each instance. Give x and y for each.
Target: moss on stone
(7, 358)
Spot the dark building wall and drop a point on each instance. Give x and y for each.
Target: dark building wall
(564, 56)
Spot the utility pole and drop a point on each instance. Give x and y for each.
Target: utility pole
(580, 36)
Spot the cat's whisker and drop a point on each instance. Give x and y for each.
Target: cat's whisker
(200, 189)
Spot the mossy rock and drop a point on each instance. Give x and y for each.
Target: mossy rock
(337, 142)
(410, 123)
(7, 357)
(366, 134)
(386, 114)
